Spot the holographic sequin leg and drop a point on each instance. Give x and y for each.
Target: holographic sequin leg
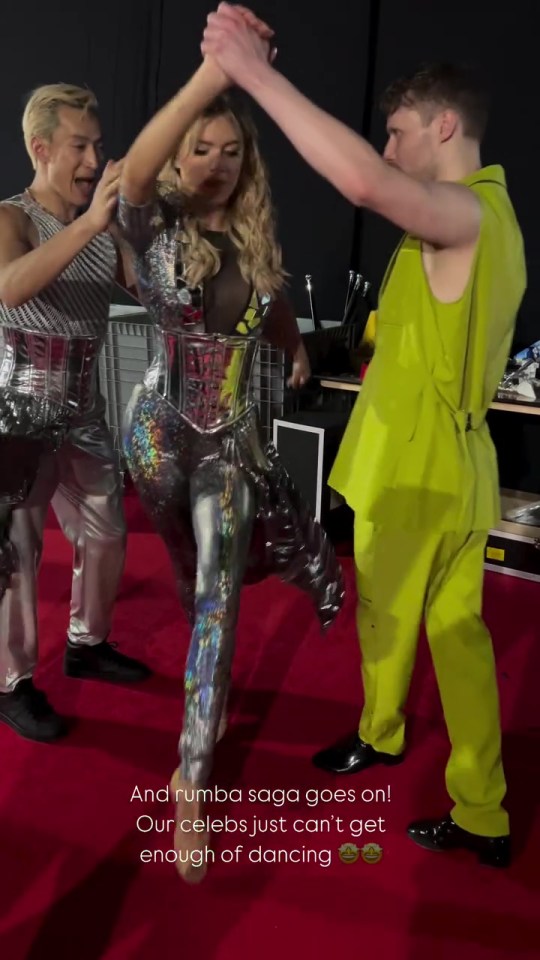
(155, 446)
(223, 507)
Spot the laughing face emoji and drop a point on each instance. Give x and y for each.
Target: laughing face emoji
(348, 853)
(371, 853)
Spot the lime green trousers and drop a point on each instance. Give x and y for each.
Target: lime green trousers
(406, 578)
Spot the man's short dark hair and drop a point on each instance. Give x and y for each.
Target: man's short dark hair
(443, 85)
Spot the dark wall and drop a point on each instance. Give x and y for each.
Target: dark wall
(102, 45)
(136, 54)
(505, 48)
(326, 57)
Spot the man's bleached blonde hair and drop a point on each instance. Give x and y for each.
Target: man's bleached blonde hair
(40, 117)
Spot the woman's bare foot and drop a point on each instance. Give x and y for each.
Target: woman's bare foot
(191, 846)
(222, 729)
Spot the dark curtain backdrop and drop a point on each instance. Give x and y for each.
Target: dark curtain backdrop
(326, 58)
(501, 40)
(136, 54)
(112, 47)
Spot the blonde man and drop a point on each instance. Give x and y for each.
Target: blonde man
(57, 270)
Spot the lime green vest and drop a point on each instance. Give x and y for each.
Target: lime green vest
(417, 451)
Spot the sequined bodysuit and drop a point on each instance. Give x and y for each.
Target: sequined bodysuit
(218, 496)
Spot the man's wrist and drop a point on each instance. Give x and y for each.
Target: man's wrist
(256, 78)
(85, 227)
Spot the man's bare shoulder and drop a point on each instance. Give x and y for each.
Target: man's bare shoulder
(444, 214)
(17, 231)
(14, 219)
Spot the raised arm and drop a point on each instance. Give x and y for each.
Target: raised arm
(444, 214)
(126, 275)
(158, 140)
(26, 269)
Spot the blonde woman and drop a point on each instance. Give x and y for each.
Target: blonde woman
(195, 207)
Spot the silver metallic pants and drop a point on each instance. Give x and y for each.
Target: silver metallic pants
(228, 514)
(81, 482)
(222, 508)
(203, 507)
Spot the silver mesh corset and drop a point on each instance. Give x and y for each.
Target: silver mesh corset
(207, 378)
(63, 369)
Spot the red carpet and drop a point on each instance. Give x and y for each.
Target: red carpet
(72, 884)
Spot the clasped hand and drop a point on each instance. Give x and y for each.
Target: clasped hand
(237, 41)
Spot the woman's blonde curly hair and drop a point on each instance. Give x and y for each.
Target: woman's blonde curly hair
(250, 221)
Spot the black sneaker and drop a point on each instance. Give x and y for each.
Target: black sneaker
(102, 661)
(27, 711)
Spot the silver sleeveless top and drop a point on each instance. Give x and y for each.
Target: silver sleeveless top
(77, 303)
(206, 377)
(51, 343)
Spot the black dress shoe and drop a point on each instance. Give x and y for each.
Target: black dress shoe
(352, 756)
(27, 711)
(102, 662)
(446, 835)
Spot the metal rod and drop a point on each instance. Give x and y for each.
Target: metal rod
(349, 290)
(353, 300)
(316, 322)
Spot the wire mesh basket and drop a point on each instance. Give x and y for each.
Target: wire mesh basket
(334, 350)
(125, 356)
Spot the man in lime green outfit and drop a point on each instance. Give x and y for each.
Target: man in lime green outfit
(417, 463)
